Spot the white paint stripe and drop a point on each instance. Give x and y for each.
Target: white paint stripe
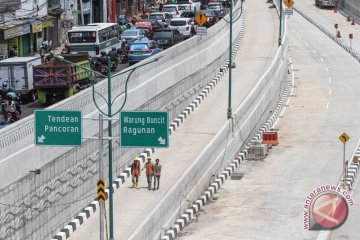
(330, 80)
(326, 68)
(321, 59)
(314, 51)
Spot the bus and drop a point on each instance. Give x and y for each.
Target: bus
(93, 38)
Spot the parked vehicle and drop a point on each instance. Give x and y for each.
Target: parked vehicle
(167, 37)
(163, 18)
(142, 49)
(93, 38)
(58, 79)
(45, 46)
(18, 73)
(133, 35)
(183, 25)
(211, 17)
(173, 9)
(325, 3)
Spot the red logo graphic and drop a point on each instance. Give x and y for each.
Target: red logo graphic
(330, 211)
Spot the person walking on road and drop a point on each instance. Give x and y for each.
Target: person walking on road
(157, 173)
(149, 169)
(135, 173)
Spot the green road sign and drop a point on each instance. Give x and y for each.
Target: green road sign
(144, 129)
(58, 128)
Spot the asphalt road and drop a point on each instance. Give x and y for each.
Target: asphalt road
(268, 202)
(132, 206)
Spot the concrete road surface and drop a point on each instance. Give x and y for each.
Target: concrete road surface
(254, 56)
(268, 202)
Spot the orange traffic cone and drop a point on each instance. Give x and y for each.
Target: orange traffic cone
(348, 19)
(353, 21)
(338, 35)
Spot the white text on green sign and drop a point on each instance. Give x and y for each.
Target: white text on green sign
(58, 128)
(144, 129)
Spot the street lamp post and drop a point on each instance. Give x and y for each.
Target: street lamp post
(109, 115)
(229, 109)
(280, 30)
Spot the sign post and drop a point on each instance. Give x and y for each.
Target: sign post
(344, 138)
(58, 128)
(144, 129)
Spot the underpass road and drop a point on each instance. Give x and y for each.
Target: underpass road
(268, 202)
(255, 54)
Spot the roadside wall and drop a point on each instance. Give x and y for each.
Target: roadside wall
(352, 6)
(38, 206)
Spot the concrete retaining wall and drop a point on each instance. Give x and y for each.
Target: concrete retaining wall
(352, 6)
(37, 206)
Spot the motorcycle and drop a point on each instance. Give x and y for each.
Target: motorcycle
(123, 56)
(113, 65)
(11, 114)
(45, 46)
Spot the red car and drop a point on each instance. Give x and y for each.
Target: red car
(147, 26)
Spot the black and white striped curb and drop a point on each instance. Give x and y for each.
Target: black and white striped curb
(353, 168)
(93, 206)
(185, 218)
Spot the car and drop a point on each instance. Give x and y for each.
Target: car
(154, 23)
(218, 9)
(163, 18)
(183, 25)
(189, 4)
(167, 37)
(188, 14)
(146, 25)
(173, 9)
(325, 3)
(133, 35)
(211, 17)
(142, 49)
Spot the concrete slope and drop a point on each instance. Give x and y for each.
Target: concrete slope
(268, 202)
(254, 56)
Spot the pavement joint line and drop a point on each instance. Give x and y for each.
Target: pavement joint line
(241, 156)
(87, 213)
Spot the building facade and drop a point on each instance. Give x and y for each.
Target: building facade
(24, 25)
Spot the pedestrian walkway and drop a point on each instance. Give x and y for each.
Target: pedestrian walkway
(255, 54)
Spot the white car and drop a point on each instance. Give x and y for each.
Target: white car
(189, 4)
(173, 9)
(183, 25)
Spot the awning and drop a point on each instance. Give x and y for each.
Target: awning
(15, 28)
(47, 21)
(55, 10)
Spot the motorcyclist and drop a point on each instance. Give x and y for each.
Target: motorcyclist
(113, 55)
(103, 59)
(50, 57)
(13, 101)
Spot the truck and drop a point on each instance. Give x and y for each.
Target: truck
(58, 79)
(17, 72)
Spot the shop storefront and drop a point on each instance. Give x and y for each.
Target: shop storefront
(50, 29)
(16, 35)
